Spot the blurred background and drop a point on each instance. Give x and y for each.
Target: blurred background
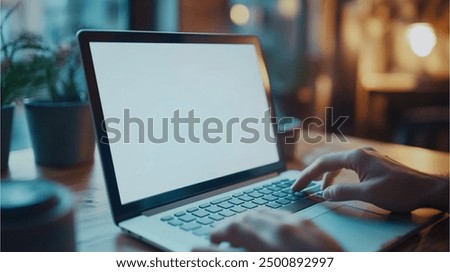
(382, 63)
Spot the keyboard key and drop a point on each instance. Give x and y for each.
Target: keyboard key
(175, 222)
(276, 182)
(299, 205)
(283, 185)
(246, 198)
(225, 205)
(274, 188)
(216, 217)
(187, 218)
(279, 194)
(255, 195)
(312, 190)
(316, 197)
(190, 226)
(259, 201)
(236, 201)
(238, 194)
(301, 194)
(213, 209)
(282, 201)
(238, 209)
(290, 182)
(217, 201)
(249, 205)
(293, 197)
(265, 191)
(227, 213)
(192, 209)
(166, 218)
(270, 198)
(178, 214)
(249, 191)
(205, 205)
(273, 205)
(205, 221)
(201, 213)
(203, 231)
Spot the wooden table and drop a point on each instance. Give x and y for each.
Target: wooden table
(95, 230)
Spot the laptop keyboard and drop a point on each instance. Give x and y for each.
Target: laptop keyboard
(201, 219)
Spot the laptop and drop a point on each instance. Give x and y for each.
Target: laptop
(185, 132)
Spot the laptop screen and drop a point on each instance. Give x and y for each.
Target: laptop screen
(179, 114)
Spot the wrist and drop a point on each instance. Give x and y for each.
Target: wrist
(438, 195)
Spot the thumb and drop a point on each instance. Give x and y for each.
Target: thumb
(341, 192)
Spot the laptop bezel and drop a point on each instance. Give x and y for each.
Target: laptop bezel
(125, 211)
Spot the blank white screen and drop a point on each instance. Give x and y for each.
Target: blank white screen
(153, 80)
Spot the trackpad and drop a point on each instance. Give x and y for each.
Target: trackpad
(361, 230)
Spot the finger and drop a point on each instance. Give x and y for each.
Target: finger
(327, 163)
(240, 234)
(329, 178)
(227, 232)
(344, 192)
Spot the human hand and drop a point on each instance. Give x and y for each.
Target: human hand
(383, 181)
(271, 230)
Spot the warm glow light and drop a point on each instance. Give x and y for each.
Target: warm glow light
(288, 8)
(239, 14)
(421, 38)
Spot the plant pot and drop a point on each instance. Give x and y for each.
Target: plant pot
(7, 115)
(61, 132)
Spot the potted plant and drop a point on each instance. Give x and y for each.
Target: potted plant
(58, 114)
(19, 75)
